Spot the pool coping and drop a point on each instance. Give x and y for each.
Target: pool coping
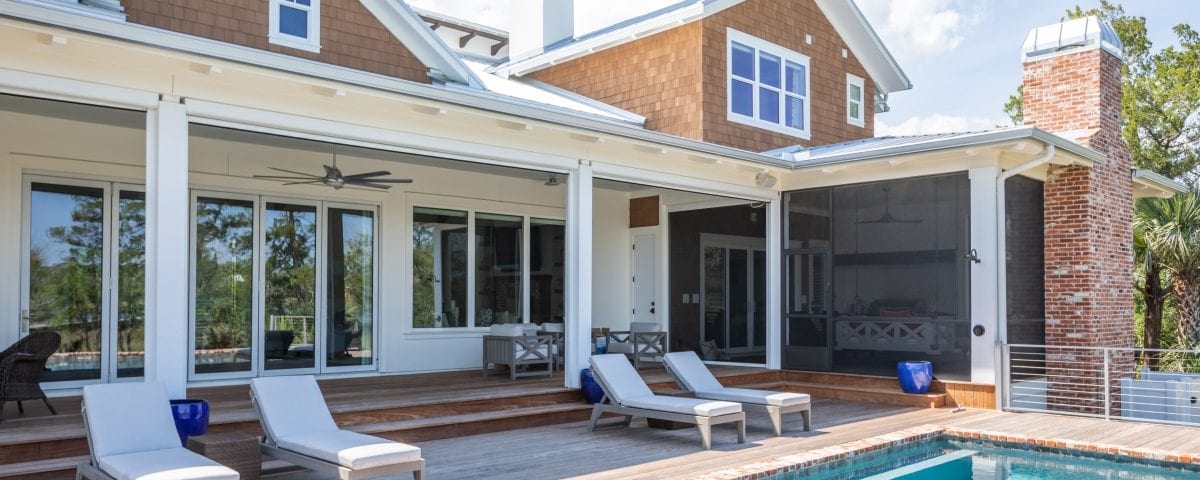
(826, 455)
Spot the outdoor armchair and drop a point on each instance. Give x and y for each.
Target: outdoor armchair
(131, 436)
(298, 428)
(514, 345)
(21, 367)
(644, 341)
(630, 397)
(692, 375)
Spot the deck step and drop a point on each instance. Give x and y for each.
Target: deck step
(886, 396)
(449, 426)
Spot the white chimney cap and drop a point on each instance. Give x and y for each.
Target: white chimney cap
(1080, 33)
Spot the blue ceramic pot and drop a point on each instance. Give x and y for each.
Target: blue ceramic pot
(191, 418)
(591, 390)
(915, 377)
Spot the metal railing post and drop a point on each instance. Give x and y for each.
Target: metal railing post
(1107, 389)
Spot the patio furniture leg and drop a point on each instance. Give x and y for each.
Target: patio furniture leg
(705, 432)
(20, 407)
(48, 405)
(2, 411)
(595, 416)
(807, 414)
(419, 474)
(776, 419)
(741, 426)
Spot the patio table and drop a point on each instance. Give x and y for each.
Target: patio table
(235, 450)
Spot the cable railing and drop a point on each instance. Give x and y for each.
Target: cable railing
(1136, 384)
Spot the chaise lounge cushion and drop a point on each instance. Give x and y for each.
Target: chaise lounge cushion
(622, 383)
(691, 372)
(128, 418)
(166, 464)
(686, 406)
(348, 449)
(758, 397)
(291, 405)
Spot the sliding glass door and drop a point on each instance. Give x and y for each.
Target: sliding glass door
(83, 276)
(281, 286)
(733, 299)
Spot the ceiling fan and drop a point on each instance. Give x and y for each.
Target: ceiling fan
(887, 213)
(333, 178)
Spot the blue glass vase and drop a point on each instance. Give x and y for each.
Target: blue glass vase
(914, 376)
(191, 418)
(591, 390)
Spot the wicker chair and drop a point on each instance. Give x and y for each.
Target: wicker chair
(21, 368)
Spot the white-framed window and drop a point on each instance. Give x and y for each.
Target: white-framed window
(855, 91)
(296, 24)
(768, 85)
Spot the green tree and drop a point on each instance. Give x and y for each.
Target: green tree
(1170, 229)
(1151, 280)
(1161, 103)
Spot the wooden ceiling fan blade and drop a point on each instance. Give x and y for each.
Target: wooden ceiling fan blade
(294, 172)
(379, 180)
(379, 173)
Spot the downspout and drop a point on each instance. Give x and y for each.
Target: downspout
(1001, 253)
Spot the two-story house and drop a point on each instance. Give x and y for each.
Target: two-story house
(213, 191)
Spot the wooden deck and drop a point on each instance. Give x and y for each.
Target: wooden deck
(570, 451)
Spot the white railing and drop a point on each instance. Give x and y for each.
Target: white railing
(1137, 384)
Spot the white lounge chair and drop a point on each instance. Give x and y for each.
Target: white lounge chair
(131, 436)
(631, 397)
(298, 428)
(692, 375)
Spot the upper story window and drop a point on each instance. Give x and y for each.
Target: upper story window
(296, 24)
(855, 91)
(768, 85)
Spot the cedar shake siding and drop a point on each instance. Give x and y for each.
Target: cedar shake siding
(657, 77)
(350, 36)
(784, 23)
(677, 79)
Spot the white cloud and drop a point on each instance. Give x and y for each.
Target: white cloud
(919, 28)
(936, 123)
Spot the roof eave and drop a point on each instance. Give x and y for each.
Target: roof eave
(1086, 155)
(410, 30)
(866, 44)
(1156, 185)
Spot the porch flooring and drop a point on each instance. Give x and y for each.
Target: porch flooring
(570, 451)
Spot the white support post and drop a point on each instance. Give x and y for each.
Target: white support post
(774, 285)
(579, 273)
(987, 305)
(167, 247)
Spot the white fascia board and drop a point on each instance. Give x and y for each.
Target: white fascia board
(856, 31)
(1084, 156)
(619, 36)
(410, 30)
(641, 176)
(475, 99)
(1149, 179)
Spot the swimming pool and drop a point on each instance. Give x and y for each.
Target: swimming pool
(953, 458)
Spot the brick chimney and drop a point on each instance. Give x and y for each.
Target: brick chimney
(1072, 87)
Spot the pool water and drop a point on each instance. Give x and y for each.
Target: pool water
(952, 459)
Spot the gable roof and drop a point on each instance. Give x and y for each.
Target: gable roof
(415, 34)
(842, 14)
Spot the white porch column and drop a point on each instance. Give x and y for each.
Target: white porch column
(167, 220)
(774, 314)
(579, 273)
(987, 306)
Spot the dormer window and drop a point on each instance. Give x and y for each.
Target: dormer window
(768, 85)
(296, 24)
(855, 89)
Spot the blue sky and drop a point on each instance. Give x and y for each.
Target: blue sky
(962, 55)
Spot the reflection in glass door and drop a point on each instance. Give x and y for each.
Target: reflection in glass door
(290, 279)
(66, 275)
(131, 284)
(734, 301)
(350, 287)
(223, 291)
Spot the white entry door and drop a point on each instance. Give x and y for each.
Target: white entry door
(645, 277)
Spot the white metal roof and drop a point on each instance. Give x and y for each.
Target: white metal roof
(534, 91)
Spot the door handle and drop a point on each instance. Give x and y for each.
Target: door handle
(25, 318)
